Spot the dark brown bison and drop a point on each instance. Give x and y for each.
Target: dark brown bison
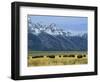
(71, 55)
(84, 55)
(79, 56)
(37, 56)
(52, 56)
(65, 55)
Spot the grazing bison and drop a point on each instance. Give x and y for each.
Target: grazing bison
(37, 56)
(71, 55)
(65, 55)
(52, 56)
(79, 56)
(84, 55)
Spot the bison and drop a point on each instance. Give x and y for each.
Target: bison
(52, 56)
(65, 55)
(71, 55)
(79, 56)
(84, 55)
(37, 56)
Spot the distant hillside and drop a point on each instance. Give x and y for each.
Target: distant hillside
(45, 41)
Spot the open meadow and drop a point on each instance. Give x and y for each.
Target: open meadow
(53, 58)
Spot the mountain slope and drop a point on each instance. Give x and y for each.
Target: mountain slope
(45, 41)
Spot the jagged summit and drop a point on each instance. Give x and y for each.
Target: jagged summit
(52, 29)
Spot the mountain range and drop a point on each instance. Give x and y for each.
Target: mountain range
(46, 42)
(49, 38)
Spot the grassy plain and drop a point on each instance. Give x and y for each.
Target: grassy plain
(60, 58)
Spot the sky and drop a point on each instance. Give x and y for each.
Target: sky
(76, 25)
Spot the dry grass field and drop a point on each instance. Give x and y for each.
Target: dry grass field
(53, 58)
